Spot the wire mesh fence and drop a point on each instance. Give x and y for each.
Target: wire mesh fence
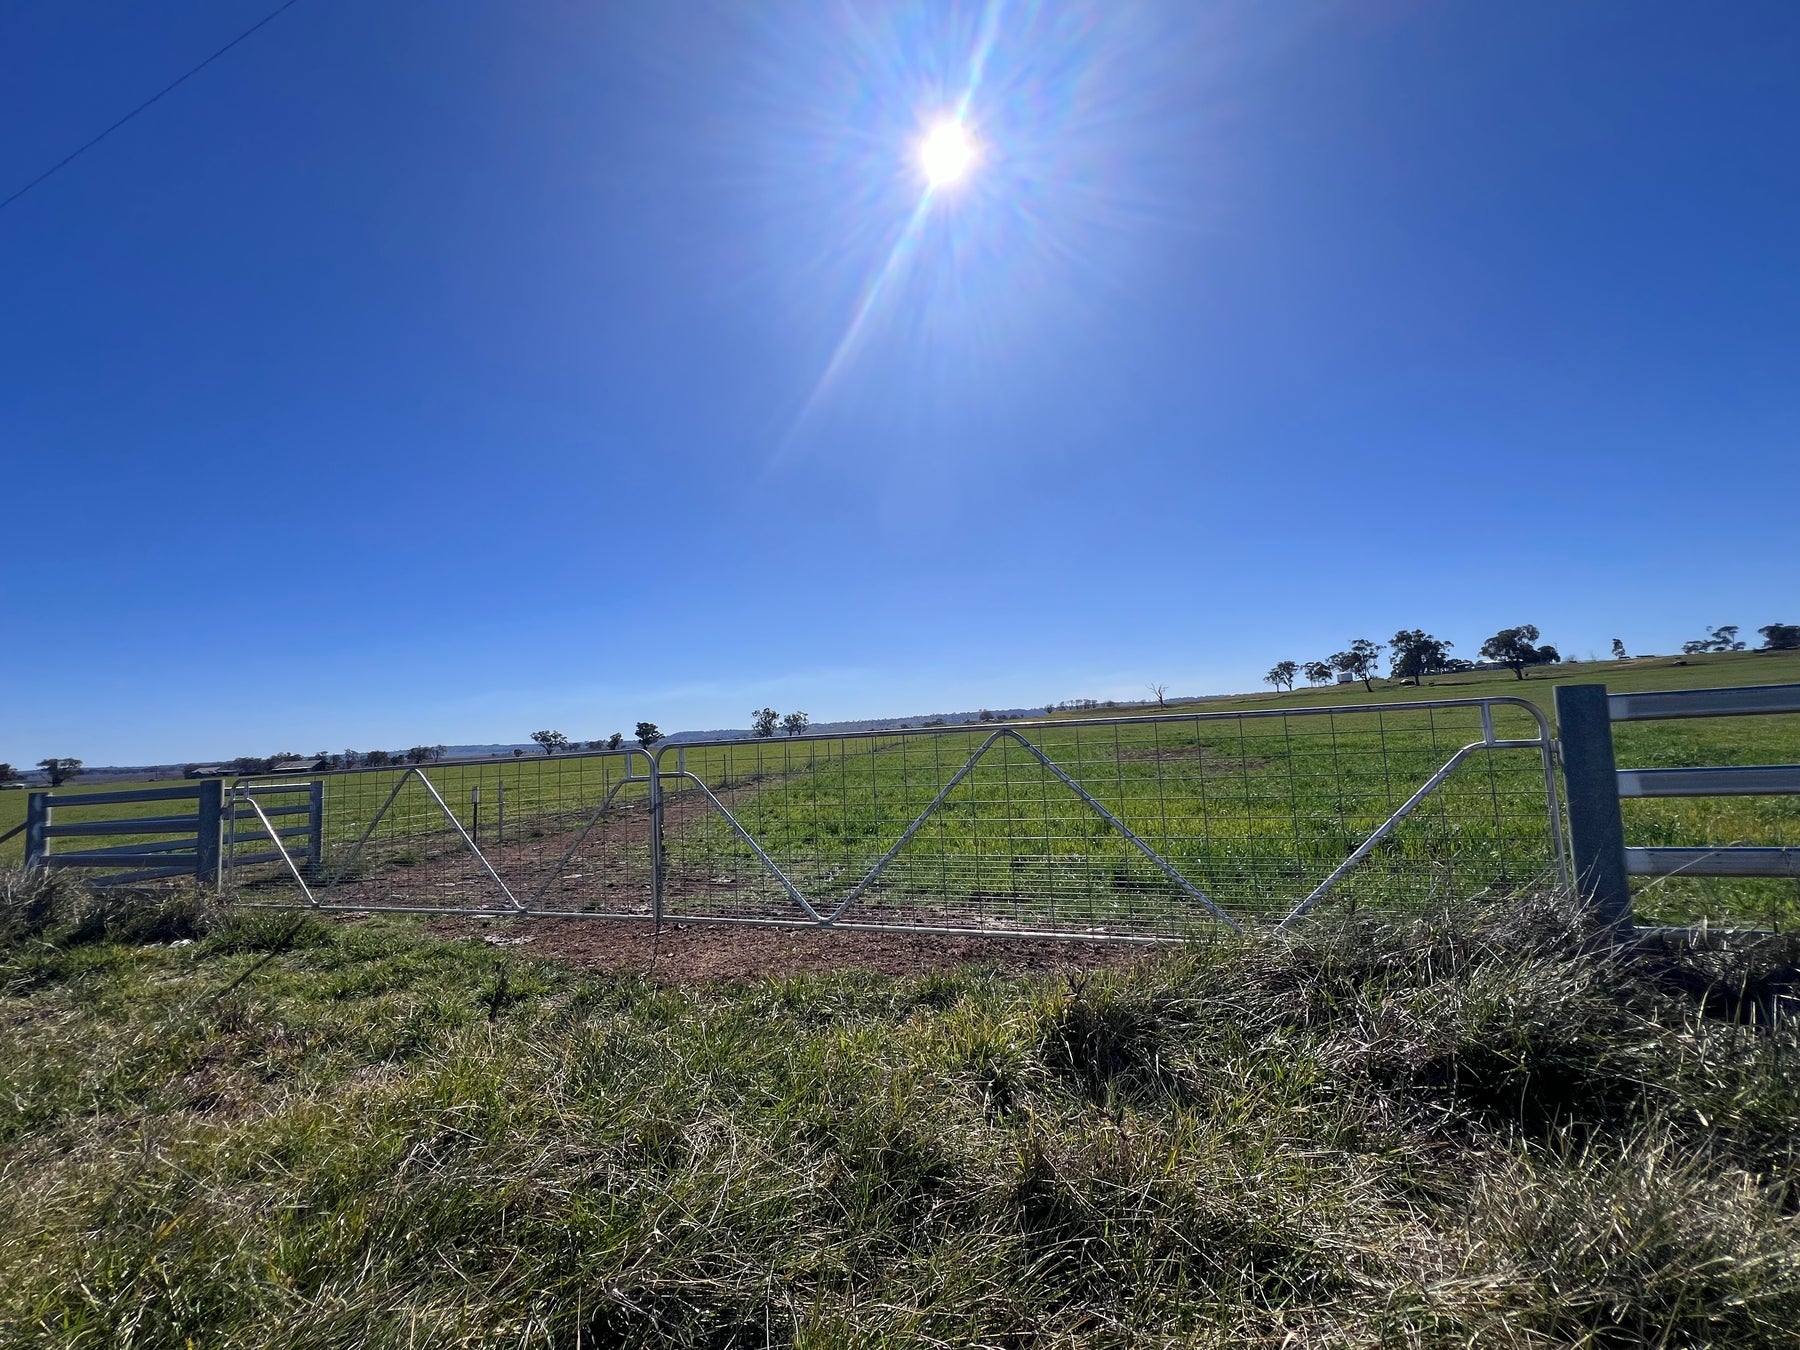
(1141, 826)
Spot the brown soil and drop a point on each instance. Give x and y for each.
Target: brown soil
(699, 953)
(613, 857)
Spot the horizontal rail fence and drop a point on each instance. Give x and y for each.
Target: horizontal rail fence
(1124, 827)
(1605, 865)
(154, 834)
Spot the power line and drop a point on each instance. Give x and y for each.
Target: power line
(167, 89)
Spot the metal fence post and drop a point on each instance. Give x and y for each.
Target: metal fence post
(315, 835)
(1591, 775)
(206, 832)
(37, 815)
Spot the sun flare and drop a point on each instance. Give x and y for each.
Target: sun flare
(947, 153)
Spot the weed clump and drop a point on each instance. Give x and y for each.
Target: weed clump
(39, 906)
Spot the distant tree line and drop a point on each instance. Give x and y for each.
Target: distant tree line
(1777, 637)
(1414, 654)
(764, 722)
(556, 742)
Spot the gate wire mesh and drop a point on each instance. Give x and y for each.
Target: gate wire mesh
(1014, 827)
(567, 833)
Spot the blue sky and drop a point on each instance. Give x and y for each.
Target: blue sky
(440, 372)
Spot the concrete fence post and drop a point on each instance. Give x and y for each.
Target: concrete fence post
(1591, 777)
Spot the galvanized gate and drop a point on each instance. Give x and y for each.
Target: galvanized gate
(1112, 828)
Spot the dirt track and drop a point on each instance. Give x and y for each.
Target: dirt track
(697, 953)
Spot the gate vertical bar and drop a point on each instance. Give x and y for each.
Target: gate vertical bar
(1596, 827)
(37, 815)
(315, 835)
(233, 805)
(206, 832)
(656, 836)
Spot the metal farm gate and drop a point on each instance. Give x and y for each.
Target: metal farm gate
(1114, 828)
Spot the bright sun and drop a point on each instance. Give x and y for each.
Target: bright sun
(947, 153)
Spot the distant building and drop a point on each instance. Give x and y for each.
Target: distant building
(246, 769)
(321, 765)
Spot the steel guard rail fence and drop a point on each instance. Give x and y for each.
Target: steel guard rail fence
(1134, 828)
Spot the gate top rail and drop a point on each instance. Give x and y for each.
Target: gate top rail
(1745, 700)
(1141, 719)
(654, 753)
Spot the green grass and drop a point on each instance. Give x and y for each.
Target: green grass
(1468, 1130)
(1253, 812)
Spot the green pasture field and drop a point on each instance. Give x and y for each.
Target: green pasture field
(1253, 811)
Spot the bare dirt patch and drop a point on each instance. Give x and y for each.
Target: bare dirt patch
(700, 953)
(611, 865)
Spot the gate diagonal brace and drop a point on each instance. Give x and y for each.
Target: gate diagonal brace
(756, 848)
(1392, 823)
(918, 823)
(239, 797)
(449, 815)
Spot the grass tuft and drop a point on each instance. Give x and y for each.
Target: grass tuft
(45, 908)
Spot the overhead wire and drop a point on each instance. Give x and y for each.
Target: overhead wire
(169, 88)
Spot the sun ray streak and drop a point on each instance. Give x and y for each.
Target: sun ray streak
(984, 45)
(896, 259)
